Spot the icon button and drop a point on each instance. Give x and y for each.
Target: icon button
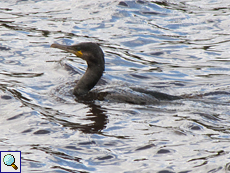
(10, 161)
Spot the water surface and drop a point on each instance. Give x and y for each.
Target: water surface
(176, 47)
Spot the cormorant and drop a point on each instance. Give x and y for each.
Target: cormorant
(94, 56)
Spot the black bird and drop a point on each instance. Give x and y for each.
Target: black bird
(94, 56)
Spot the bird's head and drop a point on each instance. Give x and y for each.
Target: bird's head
(88, 51)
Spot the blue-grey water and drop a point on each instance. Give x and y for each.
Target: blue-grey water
(178, 47)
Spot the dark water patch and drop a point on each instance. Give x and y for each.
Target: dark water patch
(139, 160)
(163, 151)
(57, 153)
(151, 13)
(195, 127)
(180, 132)
(141, 2)
(87, 143)
(6, 97)
(140, 76)
(214, 117)
(22, 75)
(227, 167)
(211, 154)
(112, 143)
(145, 147)
(26, 30)
(70, 147)
(18, 95)
(63, 169)
(27, 131)
(4, 48)
(16, 117)
(42, 132)
(156, 53)
(162, 3)
(104, 158)
(185, 171)
(216, 169)
(211, 75)
(217, 93)
(165, 171)
(6, 9)
(10, 62)
(122, 3)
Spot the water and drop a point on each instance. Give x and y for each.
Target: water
(176, 47)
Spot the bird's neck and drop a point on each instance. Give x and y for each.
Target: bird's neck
(88, 80)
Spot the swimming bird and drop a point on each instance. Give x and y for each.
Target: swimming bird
(94, 57)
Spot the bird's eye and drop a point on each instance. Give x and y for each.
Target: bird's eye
(78, 48)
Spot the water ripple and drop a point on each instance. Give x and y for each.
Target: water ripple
(179, 48)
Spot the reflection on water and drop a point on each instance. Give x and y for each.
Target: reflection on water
(179, 48)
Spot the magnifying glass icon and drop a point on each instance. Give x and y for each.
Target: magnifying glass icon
(9, 160)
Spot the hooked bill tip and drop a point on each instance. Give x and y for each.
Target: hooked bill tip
(63, 47)
(59, 46)
(54, 45)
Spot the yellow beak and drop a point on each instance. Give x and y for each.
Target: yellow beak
(78, 53)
